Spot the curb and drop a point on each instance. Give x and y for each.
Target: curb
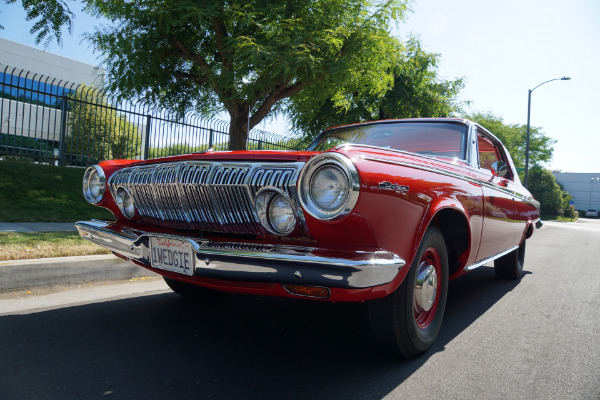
(18, 274)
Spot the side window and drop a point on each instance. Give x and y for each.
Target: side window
(489, 153)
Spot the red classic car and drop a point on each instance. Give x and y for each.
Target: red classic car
(381, 212)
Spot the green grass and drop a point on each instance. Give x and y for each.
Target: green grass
(558, 218)
(44, 193)
(20, 246)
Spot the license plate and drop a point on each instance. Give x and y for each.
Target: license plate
(172, 255)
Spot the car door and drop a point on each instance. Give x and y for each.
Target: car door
(500, 229)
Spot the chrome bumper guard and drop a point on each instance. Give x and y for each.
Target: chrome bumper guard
(255, 262)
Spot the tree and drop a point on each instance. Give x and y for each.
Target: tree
(514, 138)
(50, 16)
(96, 131)
(543, 186)
(244, 56)
(416, 91)
(567, 209)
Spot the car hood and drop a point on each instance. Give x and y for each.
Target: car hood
(258, 155)
(351, 151)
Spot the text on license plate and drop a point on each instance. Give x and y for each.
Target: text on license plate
(172, 254)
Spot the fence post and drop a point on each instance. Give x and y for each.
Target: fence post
(210, 139)
(146, 143)
(63, 130)
(260, 144)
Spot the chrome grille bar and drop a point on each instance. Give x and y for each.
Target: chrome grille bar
(204, 196)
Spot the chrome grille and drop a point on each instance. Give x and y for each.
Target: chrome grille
(204, 196)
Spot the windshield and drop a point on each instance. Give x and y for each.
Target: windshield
(437, 139)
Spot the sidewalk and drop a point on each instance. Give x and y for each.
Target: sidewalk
(20, 274)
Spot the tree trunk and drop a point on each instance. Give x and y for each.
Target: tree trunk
(238, 132)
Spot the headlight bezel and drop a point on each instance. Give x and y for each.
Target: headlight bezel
(120, 202)
(87, 178)
(263, 203)
(313, 167)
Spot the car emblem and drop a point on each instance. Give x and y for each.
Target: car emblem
(393, 186)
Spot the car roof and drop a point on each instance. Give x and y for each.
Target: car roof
(388, 121)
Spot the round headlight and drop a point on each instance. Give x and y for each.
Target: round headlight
(281, 215)
(94, 184)
(275, 211)
(329, 186)
(125, 202)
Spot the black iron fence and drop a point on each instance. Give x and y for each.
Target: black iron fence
(53, 121)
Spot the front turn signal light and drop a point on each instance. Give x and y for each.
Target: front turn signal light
(318, 292)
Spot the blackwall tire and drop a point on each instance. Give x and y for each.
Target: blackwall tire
(189, 291)
(510, 266)
(403, 323)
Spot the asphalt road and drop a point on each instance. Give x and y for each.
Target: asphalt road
(539, 339)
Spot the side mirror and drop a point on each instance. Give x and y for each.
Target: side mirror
(499, 169)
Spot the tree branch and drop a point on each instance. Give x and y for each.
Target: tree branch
(208, 73)
(196, 59)
(220, 34)
(282, 91)
(200, 80)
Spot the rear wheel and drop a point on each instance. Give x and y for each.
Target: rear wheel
(511, 265)
(408, 321)
(189, 291)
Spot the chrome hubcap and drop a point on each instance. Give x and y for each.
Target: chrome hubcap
(425, 287)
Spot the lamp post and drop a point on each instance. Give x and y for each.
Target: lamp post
(564, 78)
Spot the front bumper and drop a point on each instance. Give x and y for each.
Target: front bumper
(255, 262)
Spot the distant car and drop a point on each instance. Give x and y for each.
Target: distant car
(382, 212)
(591, 213)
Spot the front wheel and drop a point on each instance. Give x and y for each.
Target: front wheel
(408, 321)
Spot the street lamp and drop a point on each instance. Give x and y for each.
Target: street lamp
(564, 78)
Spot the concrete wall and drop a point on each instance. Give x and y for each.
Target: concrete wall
(584, 187)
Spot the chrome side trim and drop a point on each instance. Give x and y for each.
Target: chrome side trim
(422, 167)
(489, 259)
(256, 262)
(454, 175)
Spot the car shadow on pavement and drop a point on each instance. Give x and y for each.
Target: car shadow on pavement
(233, 346)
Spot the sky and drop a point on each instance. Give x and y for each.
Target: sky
(501, 48)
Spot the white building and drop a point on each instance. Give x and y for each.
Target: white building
(63, 69)
(584, 187)
(32, 83)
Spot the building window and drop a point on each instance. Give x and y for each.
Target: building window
(29, 88)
